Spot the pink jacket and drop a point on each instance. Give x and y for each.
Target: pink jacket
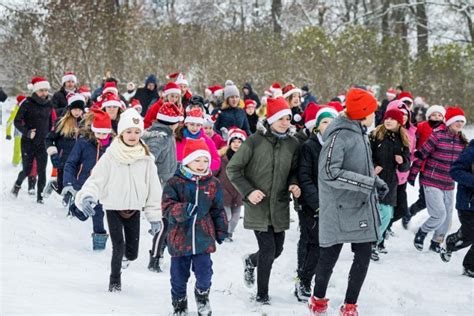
(215, 158)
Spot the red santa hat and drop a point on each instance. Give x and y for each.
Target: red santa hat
(391, 93)
(310, 115)
(135, 104)
(110, 87)
(195, 148)
(216, 91)
(101, 122)
(405, 96)
(38, 83)
(171, 87)
(68, 76)
(111, 99)
(336, 105)
(454, 114)
(236, 133)
(76, 101)
(276, 109)
(85, 91)
(178, 77)
(435, 108)
(275, 90)
(290, 89)
(210, 120)
(249, 102)
(195, 115)
(20, 99)
(169, 113)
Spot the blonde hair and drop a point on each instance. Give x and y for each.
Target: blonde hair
(380, 132)
(67, 125)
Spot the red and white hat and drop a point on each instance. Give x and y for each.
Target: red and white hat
(249, 102)
(435, 108)
(76, 101)
(171, 87)
(170, 113)
(38, 83)
(454, 114)
(275, 90)
(135, 104)
(289, 89)
(110, 87)
(210, 120)
(195, 148)
(68, 76)
(310, 115)
(112, 100)
(276, 109)
(405, 96)
(85, 91)
(20, 99)
(336, 105)
(178, 78)
(101, 122)
(391, 93)
(236, 133)
(195, 115)
(216, 91)
(130, 118)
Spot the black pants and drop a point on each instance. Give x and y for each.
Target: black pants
(270, 246)
(30, 151)
(420, 204)
(308, 245)
(128, 246)
(159, 240)
(401, 210)
(327, 260)
(463, 238)
(59, 181)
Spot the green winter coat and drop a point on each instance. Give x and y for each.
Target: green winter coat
(267, 163)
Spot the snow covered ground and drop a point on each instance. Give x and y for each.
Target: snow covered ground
(48, 267)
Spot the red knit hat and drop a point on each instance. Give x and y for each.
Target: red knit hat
(394, 114)
(20, 99)
(69, 76)
(289, 89)
(454, 114)
(38, 83)
(249, 102)
(405, 96)
(195, 148)
(195, 115)
(276, 109)
(111, 99)
(236, 133)
(110, 87)
(135, 104)
(101, 122)
(310, 115)
(171, 87)
(170, 113)
(360, 104)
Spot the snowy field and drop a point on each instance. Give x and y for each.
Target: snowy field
(48, 268)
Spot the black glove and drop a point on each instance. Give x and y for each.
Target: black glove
(418, 154)
(381, 188)
(9, 137)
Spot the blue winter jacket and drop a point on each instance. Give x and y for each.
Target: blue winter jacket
(232, 117)
(83, 157)
(63, 144)
(195, 212)
(462, 171)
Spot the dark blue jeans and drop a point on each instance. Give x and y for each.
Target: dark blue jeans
(201, 265)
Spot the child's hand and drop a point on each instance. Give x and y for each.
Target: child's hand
(295, 190)
(256, 197)
(378, 169)
(399, 159)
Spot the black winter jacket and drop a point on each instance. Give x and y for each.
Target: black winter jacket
(35, 113)
(308, 172)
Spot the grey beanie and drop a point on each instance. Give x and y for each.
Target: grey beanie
(230, 90)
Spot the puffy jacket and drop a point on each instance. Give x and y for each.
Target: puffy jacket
(232, 197)
(63, 144)
(59, 101)
(308, 172)
(195, 212)
(232, 117)
(34, 113)
(462, 171)
(145, 96)
(215, 158)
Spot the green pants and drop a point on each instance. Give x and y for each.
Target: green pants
(386, 214)
(16, 150)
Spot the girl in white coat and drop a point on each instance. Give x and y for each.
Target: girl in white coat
(125, 181)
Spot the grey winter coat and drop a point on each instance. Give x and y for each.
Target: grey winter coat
(160, 140)
(348, 206)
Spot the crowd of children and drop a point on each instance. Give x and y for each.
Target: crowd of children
(194, 164)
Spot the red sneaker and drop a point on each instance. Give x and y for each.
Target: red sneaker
(348, 310)
(318, 307)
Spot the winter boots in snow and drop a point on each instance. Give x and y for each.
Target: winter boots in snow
(468, 272)
(445, 255)
(115, 284)
(303, 290)
(154, 265)
(31, 185)
(52, 185)
(318, 306)
(419, 239)
(374, 253)
(125, 263)
(180, 306)
(263, 299)
(202, 302)
(249, 272)
(16, 188)
(435, 246)
(99, 241)
(348, 310)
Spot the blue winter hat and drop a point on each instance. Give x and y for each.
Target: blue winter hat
(151, 79)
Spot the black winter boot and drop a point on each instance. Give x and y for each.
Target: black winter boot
(16, 188)
(154, 264)
(419, 239)
(303, 290)
(115, 284)
(202, 302)
(435, 247)
(263, 299)
(468, 272)
(31, 185)
(249, 272)
(180, 306)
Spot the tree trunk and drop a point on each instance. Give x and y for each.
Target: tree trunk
(276, 14)
(421, 28)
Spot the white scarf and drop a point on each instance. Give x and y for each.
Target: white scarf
(126, 154)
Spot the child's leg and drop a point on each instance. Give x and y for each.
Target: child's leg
(17, 150)
(436, 208)
(386, 213)
(98, 220)
(202, 268)
(132, 235)
(467, 230)
(116, 235)
(235, 217)
(180, 273)
(327, 260)
(228, 213)
(310, 261)
(441, 231)
(358, 271)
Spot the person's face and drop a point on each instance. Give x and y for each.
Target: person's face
(324, 124)
(173, 98)
(199, 165)
(69, 85)
(282, 125)
(131, 136)
(151, 86)
(405, 119)
(369, 120)
(42, 93)
(436, 116)
(390, 124)
(295, 100)
(112, 111)
(457, 126)
(246, 91)
(194, 128)
(100, 135)
(76, 113)
(184, 88)
(235, 145)
(234, 101)
(250, 110)
(209, 131)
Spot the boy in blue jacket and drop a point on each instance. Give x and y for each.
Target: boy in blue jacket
(193, 205)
